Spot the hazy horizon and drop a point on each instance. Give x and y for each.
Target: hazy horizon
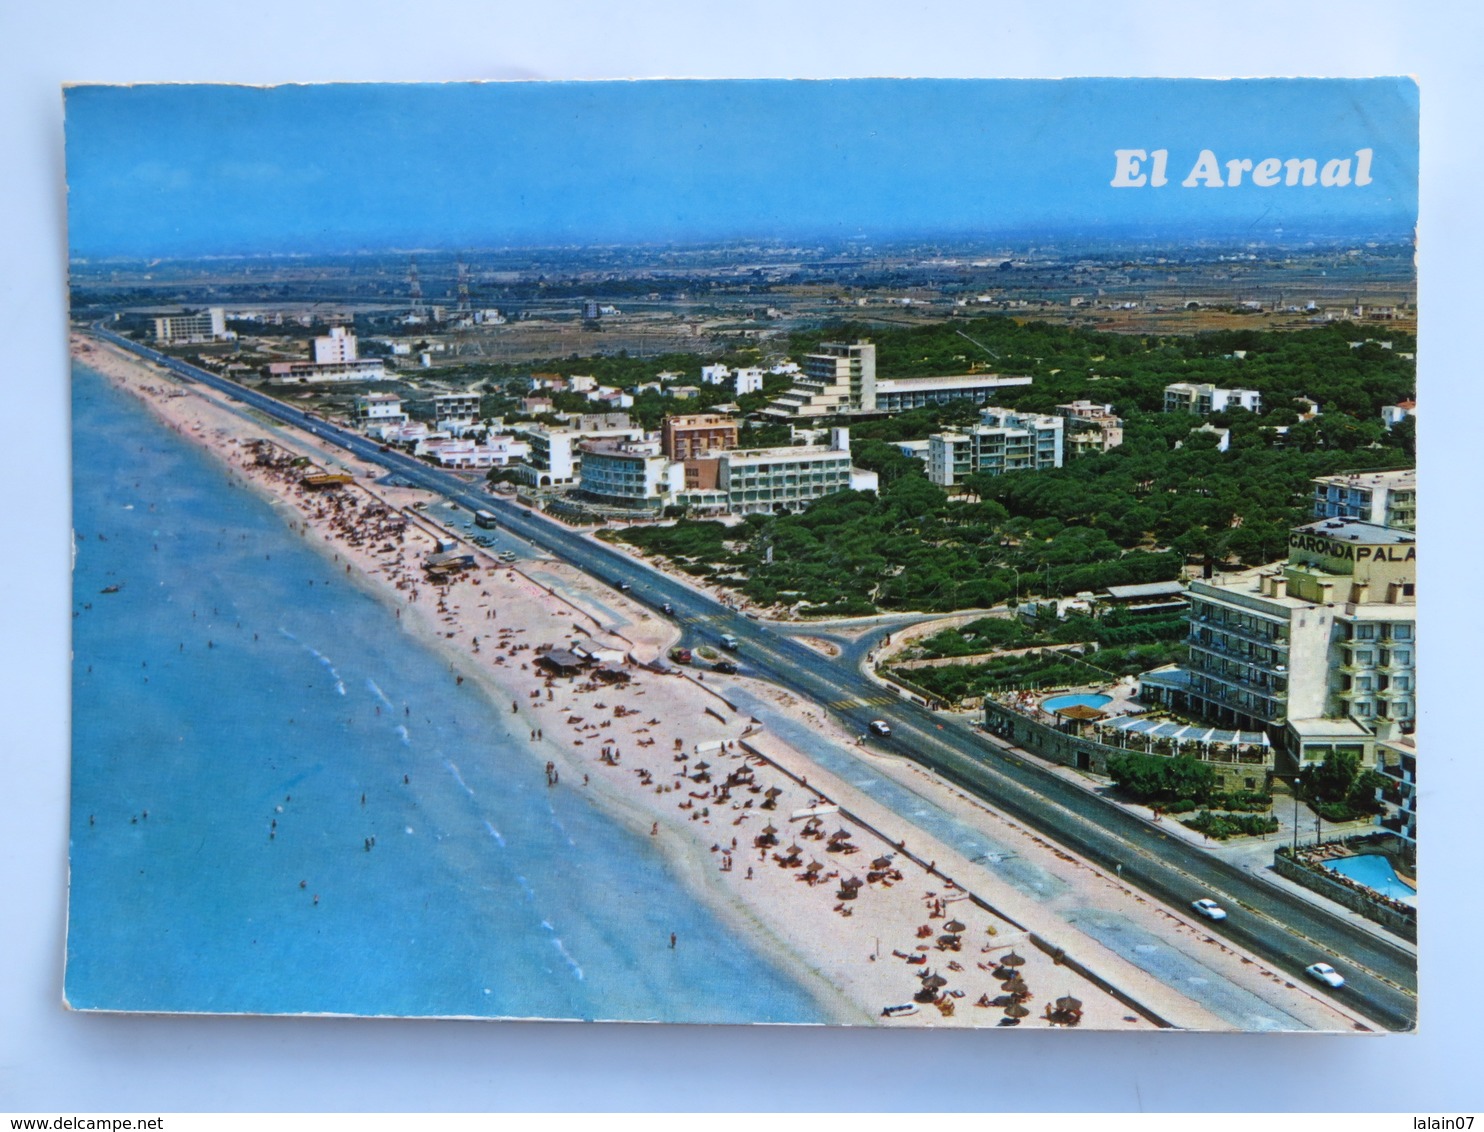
(187, 171)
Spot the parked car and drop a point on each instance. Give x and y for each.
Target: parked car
(726, 667)
(1209, 909)
(667, 609)
(1324, 973)
(880, 728)
(680, 656)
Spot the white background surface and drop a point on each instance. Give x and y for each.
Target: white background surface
(52, 1061)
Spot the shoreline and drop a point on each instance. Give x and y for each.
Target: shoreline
(705, 818)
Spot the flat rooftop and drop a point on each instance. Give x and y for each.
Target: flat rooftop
(1147, 589)
(963, 381)
(1328, 729)
(1404, 479)
(1357, 530)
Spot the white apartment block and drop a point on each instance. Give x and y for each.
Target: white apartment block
(455, 409)
(337, 346)
(1203, 400)
(1387, 499)
(1003, 441)
(376, 409)
(453, 452)
(555, 457)
(748, 380)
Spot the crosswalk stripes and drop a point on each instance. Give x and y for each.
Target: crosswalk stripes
(868, 701)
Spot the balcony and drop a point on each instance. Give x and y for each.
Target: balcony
(1226, 654)
(1253, 635)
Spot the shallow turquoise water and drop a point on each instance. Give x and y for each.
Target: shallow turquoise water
(243, 719)
(1375, 872)
(1083, 699)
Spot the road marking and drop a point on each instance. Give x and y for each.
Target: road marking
(862, 701)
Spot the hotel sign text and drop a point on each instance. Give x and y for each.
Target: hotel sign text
(1354, 552)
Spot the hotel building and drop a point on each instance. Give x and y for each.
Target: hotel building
(1320, 649)
(629, 473)
(209, 325)
(765, 481)
(841, 379)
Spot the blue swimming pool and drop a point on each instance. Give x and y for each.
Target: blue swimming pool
(1081, 699)
(1375, 872)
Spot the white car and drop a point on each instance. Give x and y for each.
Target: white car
(1324, 973)
(1209, 909)
(881, 727)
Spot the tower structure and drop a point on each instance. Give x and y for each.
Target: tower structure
(414, 286)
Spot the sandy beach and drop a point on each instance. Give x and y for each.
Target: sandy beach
(873, 909)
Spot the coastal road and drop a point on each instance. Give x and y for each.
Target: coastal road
(1271, 922)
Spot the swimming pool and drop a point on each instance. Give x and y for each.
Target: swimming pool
(1081, 699)
(1375, 872)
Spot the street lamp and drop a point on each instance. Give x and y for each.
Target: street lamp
(1295, 815)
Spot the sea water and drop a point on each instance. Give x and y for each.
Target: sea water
(283, 803)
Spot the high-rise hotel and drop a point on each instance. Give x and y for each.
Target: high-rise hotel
(1320, 650)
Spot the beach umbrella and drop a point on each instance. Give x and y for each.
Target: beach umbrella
(881, 863)
(1003, 1000)
(813, 867)
(953, 926)
(1015, 1010)
(1068, 1005)
(934, 982)
(703, 765)
(840, 835)
(772, 792)
(1012, 960)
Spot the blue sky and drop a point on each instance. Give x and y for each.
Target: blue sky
(185, 169)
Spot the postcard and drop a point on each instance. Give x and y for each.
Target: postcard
(892, 553)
